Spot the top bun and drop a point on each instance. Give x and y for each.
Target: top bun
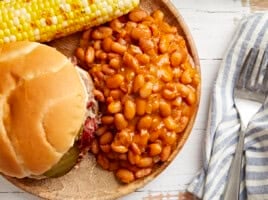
(42, 108)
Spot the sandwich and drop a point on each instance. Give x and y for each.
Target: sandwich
(47, 111)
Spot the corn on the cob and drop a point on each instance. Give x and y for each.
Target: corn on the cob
(45, 20)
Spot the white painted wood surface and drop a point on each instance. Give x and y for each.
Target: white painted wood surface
(212, 24)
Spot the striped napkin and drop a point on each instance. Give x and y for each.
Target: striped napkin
(223, 125)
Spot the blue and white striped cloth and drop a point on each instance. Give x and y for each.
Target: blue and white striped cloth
(223, 125)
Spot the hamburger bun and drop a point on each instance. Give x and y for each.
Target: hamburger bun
(43, 104)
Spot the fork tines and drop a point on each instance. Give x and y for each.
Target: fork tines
(253, 75)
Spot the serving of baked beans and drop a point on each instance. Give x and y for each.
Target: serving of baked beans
(146, 86)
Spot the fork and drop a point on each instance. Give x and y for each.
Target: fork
(249, 94)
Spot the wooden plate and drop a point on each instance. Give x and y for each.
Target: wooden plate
(89, 181)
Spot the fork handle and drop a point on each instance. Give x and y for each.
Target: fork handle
(233, 185)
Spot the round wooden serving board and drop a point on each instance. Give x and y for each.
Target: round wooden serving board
(89, 181)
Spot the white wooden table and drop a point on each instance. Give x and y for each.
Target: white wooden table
(212, 24)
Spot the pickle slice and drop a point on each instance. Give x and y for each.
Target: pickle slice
(66, 163)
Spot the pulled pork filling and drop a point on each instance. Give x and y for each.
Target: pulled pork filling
(91, 118)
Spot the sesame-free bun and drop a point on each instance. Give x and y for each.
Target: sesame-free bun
(42, 108)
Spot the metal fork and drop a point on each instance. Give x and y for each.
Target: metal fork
(249, 94)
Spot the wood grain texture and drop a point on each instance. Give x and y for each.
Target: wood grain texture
(89, 181)
(258, 5)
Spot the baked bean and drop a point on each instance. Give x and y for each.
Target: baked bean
(145, 122)
(120, 121)
(122, 41)
(137, 15)
(122, 156)
(155, 149)
(115, 107)
(162, 60)
(156, 159)
(140, 106)
(147, 84)
(83, 43)
(168, 138)
(155, 106)
(140, 33)
(106, 138)
(112, 155)
(115, 63)
(113, 55)
(143, 172)
(134, 49)
(135, 148)
(177, 102)
(106, 44)
(165, 153)
(164, 44)
(101, 33)
(156, 121)
(90, 55)
(103, 161)
(86, 35)
(124, 88)
(114, 81)
(116, 94)
(105, 148)
(97, 45)
(143, 139)
(109, 99)
(118, 48)
(130, 61)
(196, 80)
(132, 168)
(158, 15)
(130, 75)
(143, 58)
(154, 135)
(116, 25)
(107, 119)
(101, 130)
(149, 108)
(166, 74)
(129, 109)
(125, 175)
(113, 166)
(123, 137)
(98, 95)
(146, 44)
(186, 77)
(103, 56)
(146, 90)
(164, 108)
(166, 28)
(176, 59)
(138, 82)
(133, 158)
(80, 54)
(107, 70)
(183, 89)
(191, 99)
(170, 124)
(145, 162)
(119, 148)
(169, 94)
(155, 30)
(183, 123)
(95, 146)
(129, 26)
